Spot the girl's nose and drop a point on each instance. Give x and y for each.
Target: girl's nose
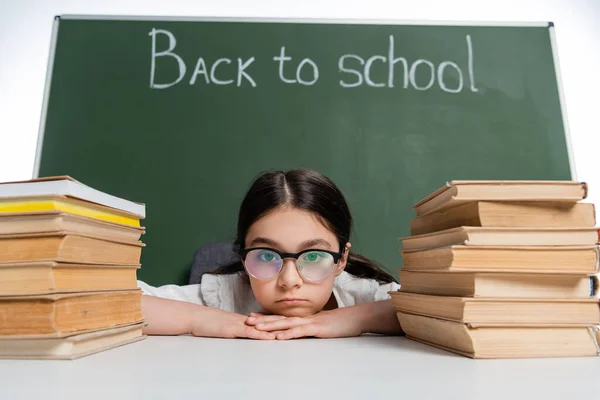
(289, 276)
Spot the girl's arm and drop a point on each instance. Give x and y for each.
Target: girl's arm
(377, 317)
(172, 317)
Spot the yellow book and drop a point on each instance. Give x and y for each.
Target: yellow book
(68, 205)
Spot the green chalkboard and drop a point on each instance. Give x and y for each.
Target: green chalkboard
(183, 114)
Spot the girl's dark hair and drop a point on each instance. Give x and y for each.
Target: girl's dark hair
(308, 190)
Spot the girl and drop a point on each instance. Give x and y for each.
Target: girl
(296, 276)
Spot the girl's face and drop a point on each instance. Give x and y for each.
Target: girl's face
(291, 230)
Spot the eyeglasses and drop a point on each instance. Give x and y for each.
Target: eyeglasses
(313, 265)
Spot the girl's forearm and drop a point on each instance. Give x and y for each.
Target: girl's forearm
(168, 317)
(380, 317)
(171, 317)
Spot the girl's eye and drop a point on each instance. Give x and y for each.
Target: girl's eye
(266, 256)
(313, 256)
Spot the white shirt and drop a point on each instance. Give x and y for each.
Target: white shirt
(233, 293)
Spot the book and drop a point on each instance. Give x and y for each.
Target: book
(572, 259)
(515, 285)
(499, 311)
(30, 205)
(47, 277)
(70, 347)
(459, 192)
(56, 315)
(67, 186)
(507, 215)
(485, 236)
(502, 341)
(68, 247)
(56, 221)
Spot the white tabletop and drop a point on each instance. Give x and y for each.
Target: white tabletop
(367, 367)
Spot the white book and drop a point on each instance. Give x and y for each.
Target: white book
(67, 186)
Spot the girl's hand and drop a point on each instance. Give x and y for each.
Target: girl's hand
(224, 324)
(376, 317)
(326, 324)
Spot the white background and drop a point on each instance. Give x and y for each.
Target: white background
(26, 25)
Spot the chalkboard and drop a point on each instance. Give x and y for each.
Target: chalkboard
(182, 114)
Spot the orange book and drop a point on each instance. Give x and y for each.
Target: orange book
(496, 284)
(507, 215)
(69, 347)
(62, 314)
(56, 221)
(500, 311)
(502, 341)
(47, 277)
(459, 192)
(492, 236)
(557, 259)
(68, 247)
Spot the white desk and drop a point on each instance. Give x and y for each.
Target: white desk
(367, 368)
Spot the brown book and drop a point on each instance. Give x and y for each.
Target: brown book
(565, 259)
(71, 347)
(46, 277)
(502, 341)
(55, 221)
(507, 215)
(515, 285)
(60, 314)
(500, 311)
(480, 236)
(68, 247)
(459, 192)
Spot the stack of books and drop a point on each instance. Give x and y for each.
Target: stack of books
(502, 269)
(69, 256)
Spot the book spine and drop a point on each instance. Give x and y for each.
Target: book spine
(594, 333)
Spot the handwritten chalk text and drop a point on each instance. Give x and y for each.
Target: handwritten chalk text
(355, 70)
